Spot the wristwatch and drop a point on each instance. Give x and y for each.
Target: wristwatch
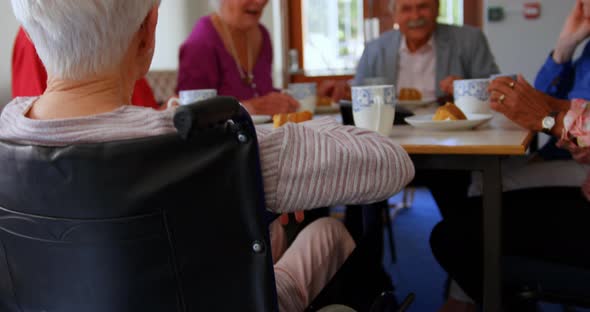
(548, 122)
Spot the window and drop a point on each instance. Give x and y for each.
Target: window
(332, 35)
(451, 12)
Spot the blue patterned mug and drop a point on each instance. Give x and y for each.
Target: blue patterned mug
(373, 107)
(471, 95)
(305, 93)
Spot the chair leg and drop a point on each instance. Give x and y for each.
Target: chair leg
(407, 302)
(408, 196)
(407, 199)
(388, 224)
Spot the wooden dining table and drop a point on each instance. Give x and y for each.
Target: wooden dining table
(480, 149)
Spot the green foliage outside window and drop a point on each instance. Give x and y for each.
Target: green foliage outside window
(451, 12)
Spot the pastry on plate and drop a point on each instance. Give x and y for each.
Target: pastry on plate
(449, 111)
(281, 119)
(409, 94)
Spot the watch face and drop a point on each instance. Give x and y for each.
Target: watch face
(548, 123)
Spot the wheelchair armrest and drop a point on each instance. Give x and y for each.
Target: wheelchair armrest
(205, 114)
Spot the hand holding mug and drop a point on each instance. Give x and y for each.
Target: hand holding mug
(519, 102)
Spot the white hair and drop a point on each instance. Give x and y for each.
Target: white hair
(79, 38)
(392, 5)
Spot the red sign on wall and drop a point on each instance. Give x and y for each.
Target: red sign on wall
(532, 10)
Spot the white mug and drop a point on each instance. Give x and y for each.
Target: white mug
(472, 96)
(305, 93)
(373, 108)
(192, 96)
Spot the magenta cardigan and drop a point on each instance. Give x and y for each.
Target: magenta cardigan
(205, 63)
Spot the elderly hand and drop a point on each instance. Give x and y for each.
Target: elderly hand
(446, 85)
(582, 156)
(579, 154)
(272, 103)
(575, 30)
(335, 89)
(519, 101)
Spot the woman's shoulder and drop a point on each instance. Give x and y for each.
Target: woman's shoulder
(266, 41)
(203, 33)
(264, 31)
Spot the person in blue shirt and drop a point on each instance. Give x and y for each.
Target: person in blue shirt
(561, 76)
(536, 218)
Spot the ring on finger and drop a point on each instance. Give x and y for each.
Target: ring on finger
(512, 84)
(501, 98)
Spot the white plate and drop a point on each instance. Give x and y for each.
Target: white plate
(426, 122)
(327, 109)
(260, 119)
(411, 104)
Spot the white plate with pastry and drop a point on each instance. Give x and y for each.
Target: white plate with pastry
(426, 122)
(261, 119)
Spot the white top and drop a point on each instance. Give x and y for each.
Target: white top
(418, 70)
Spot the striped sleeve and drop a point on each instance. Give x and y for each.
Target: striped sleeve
(318, 164)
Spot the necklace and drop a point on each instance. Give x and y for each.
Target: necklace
(247, 77)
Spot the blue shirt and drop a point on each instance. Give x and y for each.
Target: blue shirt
(570, 80)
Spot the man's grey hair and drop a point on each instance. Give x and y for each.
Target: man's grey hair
(79, 38)
(392, 5)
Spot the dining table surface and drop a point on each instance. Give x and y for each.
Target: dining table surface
(499, 136)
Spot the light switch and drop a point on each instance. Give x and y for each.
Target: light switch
(496, 13)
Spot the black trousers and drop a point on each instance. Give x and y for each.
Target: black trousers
(548, 224)
(448, 187)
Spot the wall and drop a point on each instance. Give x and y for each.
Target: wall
(8, 30)
(522, 46)
(174, 25)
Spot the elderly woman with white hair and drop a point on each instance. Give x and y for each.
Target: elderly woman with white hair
(231, 51)
(95, 50)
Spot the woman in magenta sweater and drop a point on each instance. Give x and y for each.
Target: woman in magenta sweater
(231, 51)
